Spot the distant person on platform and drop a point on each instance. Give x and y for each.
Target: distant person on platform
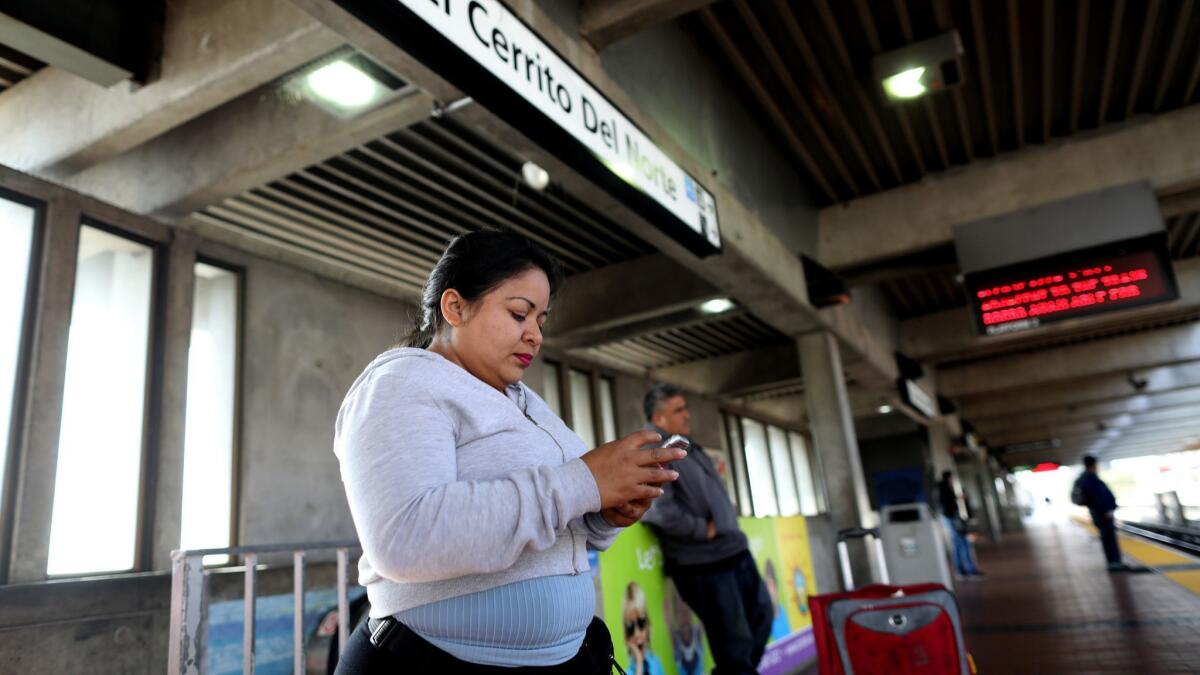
(1092, 492)
(964, 563)
(706, 554)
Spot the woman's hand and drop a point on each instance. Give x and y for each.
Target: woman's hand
(627, 514)
(624, 468)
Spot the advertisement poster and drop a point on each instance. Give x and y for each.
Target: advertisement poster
(655, 633)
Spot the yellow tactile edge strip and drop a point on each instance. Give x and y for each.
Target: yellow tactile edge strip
(1153, 555)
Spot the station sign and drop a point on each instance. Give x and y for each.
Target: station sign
(495, 58)
(916, 397)
(1098, 280)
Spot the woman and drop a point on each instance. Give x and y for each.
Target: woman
(474, 503)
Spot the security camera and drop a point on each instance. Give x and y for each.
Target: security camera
(1138, 383)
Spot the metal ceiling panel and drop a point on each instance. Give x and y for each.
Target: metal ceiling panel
(388, 207)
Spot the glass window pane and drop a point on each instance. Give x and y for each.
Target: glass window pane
(608, 416)
(758, 467)
(16, 245)
(94, 518)
(733, 424)
(211, 392)
(804, 476)
(581, 407)
(553, 397)
(785, 480)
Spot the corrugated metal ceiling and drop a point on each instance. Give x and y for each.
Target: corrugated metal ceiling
(692, 343)
(388, 208)
(1034, 71)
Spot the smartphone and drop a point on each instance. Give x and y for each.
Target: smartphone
(677, 441)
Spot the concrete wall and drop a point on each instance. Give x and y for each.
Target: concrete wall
(675, 80)
(306, 341)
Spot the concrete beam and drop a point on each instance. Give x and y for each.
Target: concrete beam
(1092, 390)
(649, 288)
(735, 374)
(603, 22)
(1110, 427)
(1168, 346)
(264, 135)
(213, 52)
(951, 334)
(922, 215)
(1186, 398)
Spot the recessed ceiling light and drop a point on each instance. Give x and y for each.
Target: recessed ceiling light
(885, 409)
(717, 305)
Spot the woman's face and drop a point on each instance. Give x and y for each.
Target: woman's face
(496, 337)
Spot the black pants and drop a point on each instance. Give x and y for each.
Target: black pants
(407, 653)
(1108, 537)
(735, 608)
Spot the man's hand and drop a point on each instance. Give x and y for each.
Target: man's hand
(712, 530)
(626, 514)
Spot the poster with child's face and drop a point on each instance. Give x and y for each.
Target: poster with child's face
(631, 573)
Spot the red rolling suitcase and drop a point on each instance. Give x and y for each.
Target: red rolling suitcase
(887, 630)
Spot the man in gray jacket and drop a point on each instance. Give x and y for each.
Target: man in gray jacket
(706, 554)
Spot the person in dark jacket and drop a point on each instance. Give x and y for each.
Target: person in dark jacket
(952, 520)
(1092, 492)
(706, 554)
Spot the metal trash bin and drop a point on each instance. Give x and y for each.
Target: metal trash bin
(915, 545)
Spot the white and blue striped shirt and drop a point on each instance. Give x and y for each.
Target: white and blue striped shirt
(536, 622)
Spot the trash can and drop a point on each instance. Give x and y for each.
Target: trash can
(915, 545)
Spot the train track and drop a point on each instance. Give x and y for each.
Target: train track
(1185, 539)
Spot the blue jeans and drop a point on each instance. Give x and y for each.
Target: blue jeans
(962, 550)
(736, 611)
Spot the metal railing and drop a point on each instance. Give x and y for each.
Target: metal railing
(186, 647)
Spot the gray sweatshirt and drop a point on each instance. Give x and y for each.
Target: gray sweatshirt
(680, 516)
(455, 487)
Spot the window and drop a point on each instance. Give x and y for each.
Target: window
(804, 476)
(582, 421)
(16, 246)
(733, 425)
(211, 406)
(608, 415)
(785, 478)
(97, 485)
(552, 396)
(758, 468)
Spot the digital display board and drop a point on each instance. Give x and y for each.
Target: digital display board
(1093, 281)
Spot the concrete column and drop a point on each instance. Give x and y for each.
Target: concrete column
(166, 511)
(940, 441)
(991, 506)
(836, 444)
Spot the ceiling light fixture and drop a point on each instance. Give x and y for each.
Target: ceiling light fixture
(919, 68)
(885, 409)
(905, 84)
(717, 305)
(346, 84)
(535, 176)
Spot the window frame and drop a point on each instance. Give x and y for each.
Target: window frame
(236, 455)
(152, 389)
(736, 437)
(22, 376)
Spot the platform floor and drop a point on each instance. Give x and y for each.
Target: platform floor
(1047, 605)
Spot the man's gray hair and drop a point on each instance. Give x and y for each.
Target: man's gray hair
(657, 394)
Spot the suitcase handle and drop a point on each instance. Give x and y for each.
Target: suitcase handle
(844, 553)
